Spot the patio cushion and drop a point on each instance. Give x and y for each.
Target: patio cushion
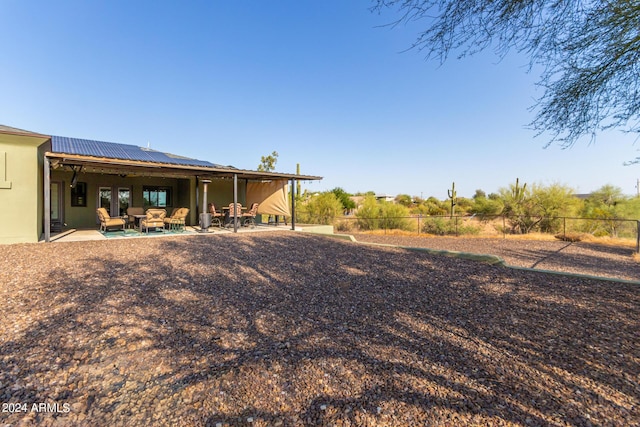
(155, 218)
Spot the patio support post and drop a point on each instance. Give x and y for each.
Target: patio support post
(197, 196)
(47, 200)
(293, 203)
(235, 201)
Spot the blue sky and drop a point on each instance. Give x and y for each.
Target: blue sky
(323, 83)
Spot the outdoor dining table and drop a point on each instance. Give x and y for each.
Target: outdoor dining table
(138, 220)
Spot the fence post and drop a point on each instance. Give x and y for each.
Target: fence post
(564, 227)
(419, 216)
(504, 229)
(456, 226)
(638, 237)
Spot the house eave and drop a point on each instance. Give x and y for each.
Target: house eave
(119, 166)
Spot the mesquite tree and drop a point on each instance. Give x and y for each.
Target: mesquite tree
(589, 52)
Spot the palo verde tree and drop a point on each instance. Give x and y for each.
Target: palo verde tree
(268, 163)
(588, 52)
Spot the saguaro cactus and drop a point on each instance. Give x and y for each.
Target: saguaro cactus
(518, 192)
(515, 209)
(453, 195)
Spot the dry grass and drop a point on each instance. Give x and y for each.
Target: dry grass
(544, 237)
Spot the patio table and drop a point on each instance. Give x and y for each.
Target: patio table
(227, 217)
(138, 220)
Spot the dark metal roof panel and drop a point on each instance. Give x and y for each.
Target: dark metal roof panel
(86, 147)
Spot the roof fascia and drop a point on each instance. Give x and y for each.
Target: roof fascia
(195, 170)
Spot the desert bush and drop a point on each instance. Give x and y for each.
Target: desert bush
(431, 206)
(486, 208)
(345, 225)
(368, 214)
(394, 217)
(321, 209)
(447, 227)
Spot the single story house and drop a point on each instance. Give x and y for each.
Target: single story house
(385, 197)
(48, 183)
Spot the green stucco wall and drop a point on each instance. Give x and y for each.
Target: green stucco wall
(85, 216)
(21, 188)
(220, 192)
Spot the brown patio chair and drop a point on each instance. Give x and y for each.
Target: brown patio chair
(249, 217)
(155, 219)
(106, 221)
(177, 220)
(217, 217)
(234, 209)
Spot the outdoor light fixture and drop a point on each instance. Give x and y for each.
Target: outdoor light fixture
(74, 178)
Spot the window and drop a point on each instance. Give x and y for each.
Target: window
(156, 196)
(79, 194)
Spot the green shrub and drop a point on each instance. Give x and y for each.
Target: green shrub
(394, 216)
(321, 209)
(447, 227)
(368, 214)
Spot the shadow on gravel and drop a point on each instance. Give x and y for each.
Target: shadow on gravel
(589, 261)
(292, 329)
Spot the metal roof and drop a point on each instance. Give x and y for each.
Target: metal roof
(112, 150)
(16, 131)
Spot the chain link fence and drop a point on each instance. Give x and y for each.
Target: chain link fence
(565, 228)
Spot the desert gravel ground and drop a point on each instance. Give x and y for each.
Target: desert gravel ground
(293, 329)
(578, 257)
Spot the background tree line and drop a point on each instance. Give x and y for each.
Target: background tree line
(526, 208)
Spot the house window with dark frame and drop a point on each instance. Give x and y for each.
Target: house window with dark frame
(159, 197)
(79, 194)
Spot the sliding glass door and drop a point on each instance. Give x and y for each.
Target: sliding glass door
(124, 197)
(115, 200)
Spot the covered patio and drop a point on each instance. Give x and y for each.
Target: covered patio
(82, 175)
(79, 235)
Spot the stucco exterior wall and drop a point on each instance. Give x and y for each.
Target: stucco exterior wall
(220, 192)
(21, 188)
(85, 216)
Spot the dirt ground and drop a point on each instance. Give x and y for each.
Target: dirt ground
(293, 329)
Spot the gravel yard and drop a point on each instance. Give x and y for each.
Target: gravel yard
(580, 257)
(293, 329)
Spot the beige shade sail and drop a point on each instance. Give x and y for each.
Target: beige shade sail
(271, 195)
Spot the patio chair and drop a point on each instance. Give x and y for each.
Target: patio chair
(106, 221)
(154, 219)
(235, 209)
(217, 217)
(249, 217)
(177, 220)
